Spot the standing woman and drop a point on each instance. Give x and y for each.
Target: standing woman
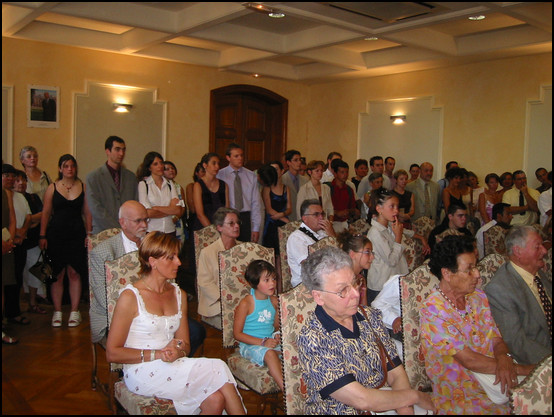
(360, 250)
(63, 233)
(313, 189)
(406, 199)
(199, 172)
(170, 172)
(489, 197)
(506, 181)
(452, 193)
(157, 195)
(37, 180)
(209, 193)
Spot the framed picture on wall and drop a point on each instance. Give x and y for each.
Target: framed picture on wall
(43, 106)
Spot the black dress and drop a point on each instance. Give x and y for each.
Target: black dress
(271, 237)
(66, 234)
(210, 202)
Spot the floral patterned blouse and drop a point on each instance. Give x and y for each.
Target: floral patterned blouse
(443, 334)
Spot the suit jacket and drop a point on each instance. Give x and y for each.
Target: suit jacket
(518, 315)
(107, 250)
(208, 280)
(287, 180)
(417, 187)
(103, 198)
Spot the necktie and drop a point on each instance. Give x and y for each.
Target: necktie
(238, 192)
(546, 304)
(427, 202)
(295, 181)
(116, 180)
(521, 202)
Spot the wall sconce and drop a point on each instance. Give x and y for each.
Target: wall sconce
(398, 120)
(122, 107)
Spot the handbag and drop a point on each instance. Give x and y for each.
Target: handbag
(42, 269)
(494, 392)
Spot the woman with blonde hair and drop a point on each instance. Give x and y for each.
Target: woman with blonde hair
(37, 180)
(149, 334)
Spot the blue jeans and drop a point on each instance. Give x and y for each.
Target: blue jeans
(197, 334)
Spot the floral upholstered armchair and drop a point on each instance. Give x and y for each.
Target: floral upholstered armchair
(359, 227)
(326, 241)
(423, 226)
(534, 394)
(284, 232)
(488, 266)
(493, 240)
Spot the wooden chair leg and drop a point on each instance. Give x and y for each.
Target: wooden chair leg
(94, 377)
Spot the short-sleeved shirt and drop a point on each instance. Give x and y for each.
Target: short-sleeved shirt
(444, 333)
(332, 356)
(530, 217)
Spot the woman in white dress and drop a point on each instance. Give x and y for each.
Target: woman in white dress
(149, 334)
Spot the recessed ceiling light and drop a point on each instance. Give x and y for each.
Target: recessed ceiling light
(371, 38)
(276, 15)
(476, 17)
(262, 8)
(256, 75)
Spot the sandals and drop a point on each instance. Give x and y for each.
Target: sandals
(57, 319)
(24, 321)
(36, 309)
(74, 319)
(8, 340)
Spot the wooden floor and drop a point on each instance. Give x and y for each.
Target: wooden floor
(48, 371)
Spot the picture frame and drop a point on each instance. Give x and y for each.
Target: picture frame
(43, 104)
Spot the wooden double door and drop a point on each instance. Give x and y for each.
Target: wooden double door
(251, 116)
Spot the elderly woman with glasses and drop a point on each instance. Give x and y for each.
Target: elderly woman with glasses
(344, 349)
(459, 334)
(227, 223)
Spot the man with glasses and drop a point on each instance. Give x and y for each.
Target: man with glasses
(523, 201)
(133, 219)
(314, 227)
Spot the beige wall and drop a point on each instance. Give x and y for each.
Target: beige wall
(484, 104)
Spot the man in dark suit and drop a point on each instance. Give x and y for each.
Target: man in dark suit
(522, 314)
(48, 108)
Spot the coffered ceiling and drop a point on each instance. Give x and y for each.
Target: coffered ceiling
(314, 41)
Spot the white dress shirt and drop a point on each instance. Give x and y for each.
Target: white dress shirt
(297, 251)
(545, 204)
(157, 197)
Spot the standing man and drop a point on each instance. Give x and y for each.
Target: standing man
(426, 193)
(48, 108)
(377, 165)
(361, 169)
(133, 219)
(109, 186)
(542, 176)
(244, 194)
(523, 201)
(293, 179)
(329, 174)
(520, 297)
(390, 163)
(343, 197)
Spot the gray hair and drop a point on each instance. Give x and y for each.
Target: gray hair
(27, 149)
(316, 267)
(517, 236)
(221, 213)
(307, 203)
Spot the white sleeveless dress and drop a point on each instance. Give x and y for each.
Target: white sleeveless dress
(187, 381)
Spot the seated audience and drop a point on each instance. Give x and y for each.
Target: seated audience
(360, 250)
(256, 324)
(227, 223)
(386, 236)
(149, 335)
(545, 203)
(542, 176)
(342, 346)
(314, 227)
(502, 217)
(454, 223)
(343, 197)
(489, 197)
(522, 201)
(459, 335)
(388, 302)
(406, 200)
(314, 189)
(520, 296)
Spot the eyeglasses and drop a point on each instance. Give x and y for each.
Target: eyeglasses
(470, 270)
(138, 221)
(316, 214)
(346, 290)
(233, 223)
(365, 252)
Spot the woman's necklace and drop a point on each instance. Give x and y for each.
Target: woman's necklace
(464, 314)
(154, 291)
(68, 188)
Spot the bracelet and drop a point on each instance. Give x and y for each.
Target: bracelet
(264, 340)
(142, 355)
(152, 355)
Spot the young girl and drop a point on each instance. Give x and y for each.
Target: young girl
(256, 320)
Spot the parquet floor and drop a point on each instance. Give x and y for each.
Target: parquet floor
(48, 371)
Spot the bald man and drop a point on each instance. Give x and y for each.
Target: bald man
(422, 186)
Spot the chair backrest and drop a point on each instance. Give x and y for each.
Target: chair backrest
(534, 395)
(488, 267)
(119, 273)
(94, 240)
(414, 289)
(202, 238)
(413, 252)
(322, 243)
(548, 263)
(284, 232)
(493, 240)
(359, 227)
(294, 306)
(232, 265)
(423, 226)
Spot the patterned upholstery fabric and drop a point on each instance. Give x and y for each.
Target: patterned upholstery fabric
(488, 267)
(204, 237)
(413, 251)
(534, 394)
(119, 273)
(294, 307)
(232, 265)
(548, 263)
(326, 241)
(284, 232)
(359, 227)
(423, 226)
(103, 235)
(493, 240)
(414, 289)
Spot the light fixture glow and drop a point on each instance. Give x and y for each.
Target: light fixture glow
(371, 38)
(122, 107)
(477, 17)
(398, 119)
(262, 8)
(276, 15)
